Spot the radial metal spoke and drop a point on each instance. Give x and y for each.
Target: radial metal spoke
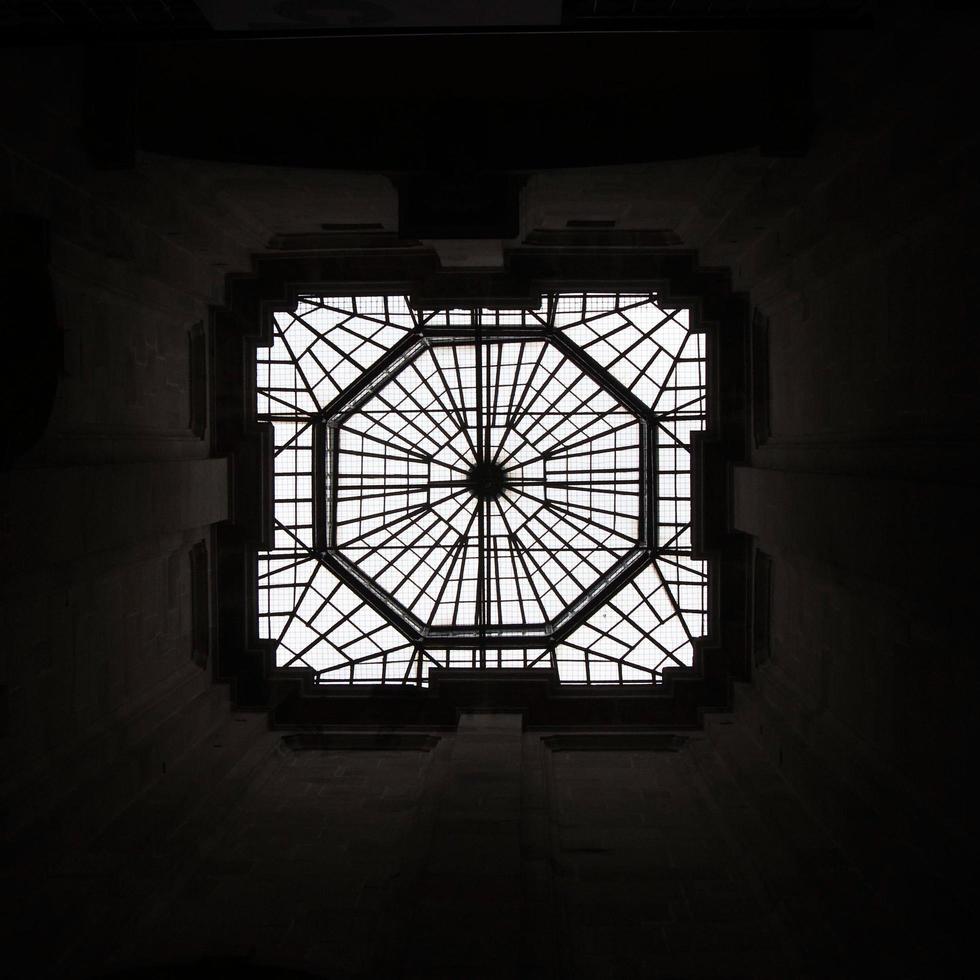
(581, 442)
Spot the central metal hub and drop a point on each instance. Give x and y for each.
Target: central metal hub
(486, 480)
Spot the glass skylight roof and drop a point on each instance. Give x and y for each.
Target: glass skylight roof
(482, 488)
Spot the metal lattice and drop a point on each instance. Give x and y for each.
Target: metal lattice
(483, 488)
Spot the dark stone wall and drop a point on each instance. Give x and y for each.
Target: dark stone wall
(862, 491)
(98, 519)
(862, 258)
(482, 852)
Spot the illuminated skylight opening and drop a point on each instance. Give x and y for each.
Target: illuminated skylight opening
(483, 489)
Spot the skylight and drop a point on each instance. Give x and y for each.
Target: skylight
(483, 488)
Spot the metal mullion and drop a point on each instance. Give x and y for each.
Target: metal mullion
(581, 442)
(496, 564)
(459, 582)
(520, 594)
(478, 383)
(595, 486)
(549, 410)
(407, 488)
(420, 457)
(588, 454)
(588, 321)
(496, 392)
(458, 550)
(421, 509)
(482, 570)
(337, 646)
(644, 299)
(381, 653)
(646, 336)
(521, 551)
(345, 403)
(515, 409)
(299, 370)
(673, 601)
(396, 510)
(407, 575)
(666, 557)
(295, 612)
(680, 408)
(513, 389)
(564, 416)
(297, 411)
(364, 636)
(288, 444)
(424, 590)
(404, 415)
(596, 336)
(422, 532)
(460, 420)
(660, 621)
(487, 415)
(379, 324)
(462, 396)
(344, 618)
(350, 315)
(323, 484)
(600, 546)
(423, 410)
(291, 531)
(602, 378)
(676, 358)
(676, 443)
(605, 527)
(672, 373)
(269, 556)
(572, 473)
(344, 356)
(614, 660)
(607, 633)
(368, 593)
(367, 454)
(553, 554)
(680, 529)
(516, 548)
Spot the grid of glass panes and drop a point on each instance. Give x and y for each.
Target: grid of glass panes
(319, 622)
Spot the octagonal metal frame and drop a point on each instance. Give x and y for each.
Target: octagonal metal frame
(530, 636)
